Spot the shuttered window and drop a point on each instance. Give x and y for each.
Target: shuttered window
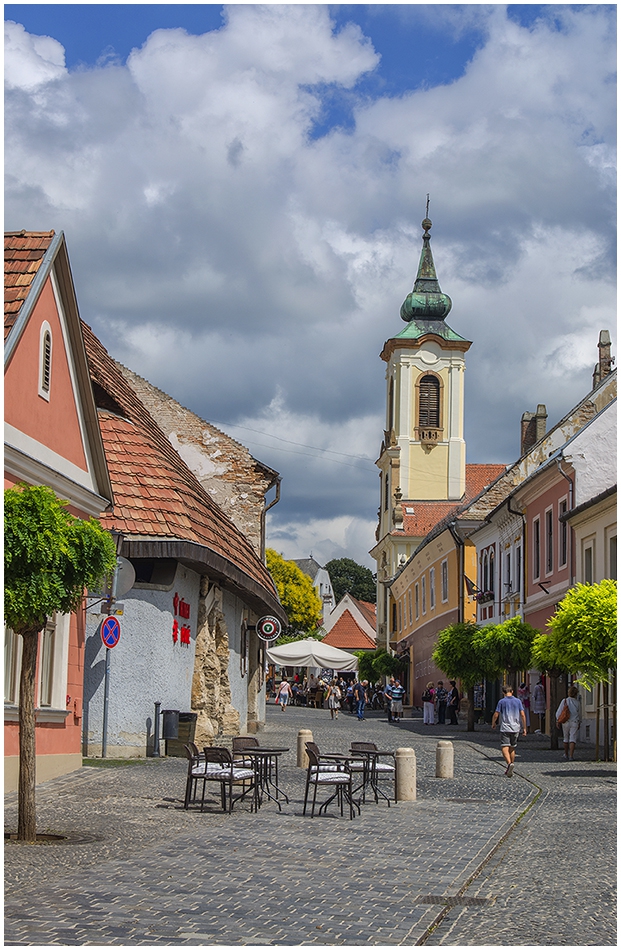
(429, 402)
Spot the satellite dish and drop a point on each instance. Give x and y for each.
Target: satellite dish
(124, 577)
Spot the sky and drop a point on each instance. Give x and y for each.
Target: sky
(241, 189)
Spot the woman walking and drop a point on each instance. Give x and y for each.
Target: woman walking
(572, 726)
(334, 699)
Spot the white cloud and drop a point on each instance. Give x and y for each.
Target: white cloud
(30, 61)
(255, 272)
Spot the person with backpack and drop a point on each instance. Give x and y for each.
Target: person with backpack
(428, 704)
(441, 699)
(334, 699)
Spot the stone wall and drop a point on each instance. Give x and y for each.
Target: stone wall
(211, 688)
(235, 480)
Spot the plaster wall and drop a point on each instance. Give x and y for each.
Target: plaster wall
(593, 456)
(146, 666)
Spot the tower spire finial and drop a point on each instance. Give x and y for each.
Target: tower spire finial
(427, 208)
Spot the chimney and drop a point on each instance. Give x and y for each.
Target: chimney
(604, 364)
(532, 428)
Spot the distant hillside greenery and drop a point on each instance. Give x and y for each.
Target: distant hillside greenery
(348, 577)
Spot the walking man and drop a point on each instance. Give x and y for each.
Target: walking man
(398, 693)
(510, 712)
(441, 698)
(360, 695)
(388, 697)
(453, 703)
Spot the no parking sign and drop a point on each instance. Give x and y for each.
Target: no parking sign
(110, 632)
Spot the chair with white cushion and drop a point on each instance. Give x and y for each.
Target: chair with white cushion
(335, 775)
(220, 767)
(377, 769)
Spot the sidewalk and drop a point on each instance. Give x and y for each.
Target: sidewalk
(136, 869)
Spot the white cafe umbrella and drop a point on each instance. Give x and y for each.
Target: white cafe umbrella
(312, 653)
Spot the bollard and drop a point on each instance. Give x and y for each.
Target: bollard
(444, 759)
(304, 736)
(405, 761)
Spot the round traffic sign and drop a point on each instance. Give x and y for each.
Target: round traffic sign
(268, 629)
(110, 632)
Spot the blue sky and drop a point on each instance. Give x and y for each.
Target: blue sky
(242, 206)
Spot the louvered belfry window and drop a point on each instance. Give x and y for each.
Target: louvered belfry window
(429, 403)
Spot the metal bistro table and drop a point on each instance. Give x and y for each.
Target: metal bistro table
(356, 762)
(371, 771)
(266, 771)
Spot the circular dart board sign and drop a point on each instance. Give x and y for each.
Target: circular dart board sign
(268, 629)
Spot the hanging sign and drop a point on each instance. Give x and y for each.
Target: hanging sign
(268, 629)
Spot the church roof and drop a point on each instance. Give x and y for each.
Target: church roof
(347, 634)
(308, 566)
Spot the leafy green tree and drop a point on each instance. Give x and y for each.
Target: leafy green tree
(374, 664)
(582, 640)
(348, 577)
(459, 653)
(297, 595)
(50, 557)
(507, 647)
(583, 634)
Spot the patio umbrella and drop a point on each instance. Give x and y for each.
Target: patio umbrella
(312, 653)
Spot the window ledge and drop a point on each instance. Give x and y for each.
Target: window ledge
(11, 714)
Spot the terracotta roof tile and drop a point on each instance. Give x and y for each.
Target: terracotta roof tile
(23, 253)
(427, 514)
(346, 634)
(156, 495)
(369, 611)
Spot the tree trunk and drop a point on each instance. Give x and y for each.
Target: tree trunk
(554, 703)
(26, 821)
(470, 727)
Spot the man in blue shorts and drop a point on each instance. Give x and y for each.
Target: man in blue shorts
(510, 712)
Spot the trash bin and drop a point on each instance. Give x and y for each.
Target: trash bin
(170, 724)
(187, 730)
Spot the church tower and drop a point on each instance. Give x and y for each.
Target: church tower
(422, 460)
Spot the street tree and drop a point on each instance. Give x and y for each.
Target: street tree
(50, 558)
(459, 654)
(507, 648)
(348, 577)
(297, 596)
(374, 664)
(582, 641)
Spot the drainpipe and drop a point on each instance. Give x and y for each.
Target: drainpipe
(523, 565)
(572, 576)
(266, 508)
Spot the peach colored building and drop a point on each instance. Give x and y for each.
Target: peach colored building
(51, 438)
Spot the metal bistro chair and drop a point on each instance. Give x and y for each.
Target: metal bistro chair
(377, 769)
(228, 774)
(196, 773)
(240, 744)
(337, 776)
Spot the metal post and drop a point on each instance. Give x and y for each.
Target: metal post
(156, 732)
(104, 740)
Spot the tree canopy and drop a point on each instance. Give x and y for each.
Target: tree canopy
(50, 558)
(506, 647)
(297, 595)
(373, 664)
(459, 653)
(583, 634)
(348, 577)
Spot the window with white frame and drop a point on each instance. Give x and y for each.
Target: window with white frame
(51, 687)
(423, 592)
(492, 575)
(416, 602)
(47, 643)
(518, 568)
(444, 581)
(562, 534)
(45, 360)
(12, 666)
(410, 605)
(536, 549)
(432, 588)
(549, 541)
(400, 617)
(612, 556)
(508, 580)
(588, 562)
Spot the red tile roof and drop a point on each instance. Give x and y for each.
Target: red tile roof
(427, 514)
(369, 611)
(346, 634)
(23, 253)
(156, 496)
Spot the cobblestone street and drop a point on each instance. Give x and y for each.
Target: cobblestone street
(476, 860)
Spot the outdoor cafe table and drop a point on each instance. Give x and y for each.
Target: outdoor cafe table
(369, 778)
(348, 757)
(266, 772)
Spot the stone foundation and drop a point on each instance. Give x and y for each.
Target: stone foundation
(211, 690)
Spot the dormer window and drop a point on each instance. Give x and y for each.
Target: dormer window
(45, 361)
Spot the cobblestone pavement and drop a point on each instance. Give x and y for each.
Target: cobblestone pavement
(476, 860)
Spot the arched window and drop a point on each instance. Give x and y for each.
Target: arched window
(45, 361)
(429, 402)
